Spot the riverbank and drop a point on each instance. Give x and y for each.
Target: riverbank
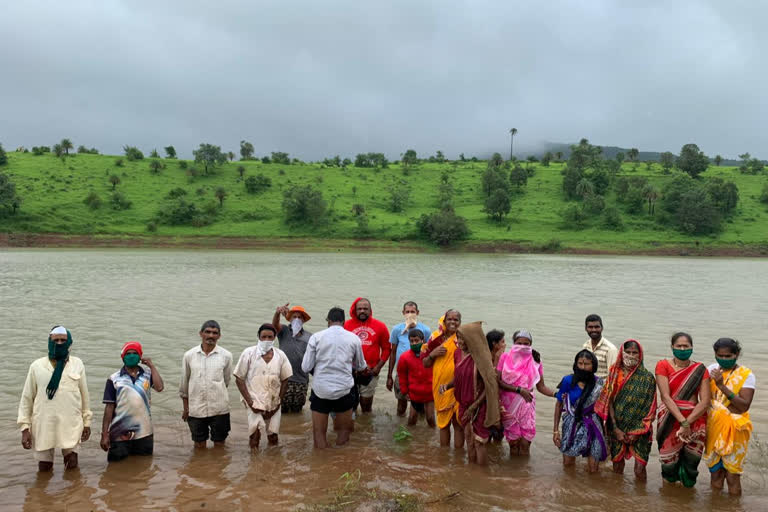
(59, 240)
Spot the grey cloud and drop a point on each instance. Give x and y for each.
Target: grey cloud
(321, 78)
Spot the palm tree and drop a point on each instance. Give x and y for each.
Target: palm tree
(651, 194)
(114, 180)
(584, 188)
(66, 145)
(220, 194)
(718, 160)
(512, 133)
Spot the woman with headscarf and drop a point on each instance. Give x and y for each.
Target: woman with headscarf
(437, 354)
(728, 424)
(54, 412)
(519, 371)
(628, 405)
(581, 432)
(682, 416)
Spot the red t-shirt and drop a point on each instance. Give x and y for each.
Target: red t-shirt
(415, 380)
(374, 336)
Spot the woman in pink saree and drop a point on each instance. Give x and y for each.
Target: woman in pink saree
(519, 372)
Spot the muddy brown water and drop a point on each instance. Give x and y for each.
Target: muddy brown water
(161, 297)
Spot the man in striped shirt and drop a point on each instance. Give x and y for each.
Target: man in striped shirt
(605, 351)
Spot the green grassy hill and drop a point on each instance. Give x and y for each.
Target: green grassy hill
(53, 191)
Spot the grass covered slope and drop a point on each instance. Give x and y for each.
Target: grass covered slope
(53, 192)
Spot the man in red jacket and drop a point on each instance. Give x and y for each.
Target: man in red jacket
(374, 337)
(416, 380)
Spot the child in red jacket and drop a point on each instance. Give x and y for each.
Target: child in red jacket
(416, 381)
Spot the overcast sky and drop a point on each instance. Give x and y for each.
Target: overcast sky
(317, 78)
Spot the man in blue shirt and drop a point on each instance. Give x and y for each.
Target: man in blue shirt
(401, 344)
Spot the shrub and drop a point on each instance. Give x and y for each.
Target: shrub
(304, 205)
(612, 219)
(153, 154)
(152, 226)
(119, 162)
(635, 200)
(114, 180)
(3, 156)
(443, 228)
(176, 193)
(119, 201)
(764, 194)
(93, 201)
(398, 197)
(258, 183)
(155, 166)
(498, 204)
(573, 216)
(697, 214)
(692, 160)
(594, 204)
(133, 153)
(183, 165)
(180, 212)
(170, 151)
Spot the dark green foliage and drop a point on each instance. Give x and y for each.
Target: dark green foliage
(612, 219)
(600, 179)
(443, 227)
(718, 160)
(634, 200)
(750, 165)
(258, 183)
(623, 184)
(170, 151)
(546, 159)
(133, 153)
(221, 194)
(153, 154)
(58, 150)
(3, 156)
(445, 192)
(571, 178)
(371, 160)
(278, 157)
(667, 160)
(66, 145)
(584, 159)
(594, 204)
(246, 150)
(697, 213)
(265, 160)
(176, 193)
(439, 157)
(40, 150)
(180, 212)
(9, 200)
(584, 188)
(518, 176)
(346, 162)
(210, 157)
(119, 162)
(361, 218)
(183, 165)
(574, 217)
(674, 190)
(155, 166)
(409, 160)
(114, 180)
(724, 194)
(620, 157)
(303, 205)
(333, 161)
(399, 192)
(632, 154)
(241, 171)
(498, 204)
(692, 160)
(119, 202)
(764, 194)
(93, 201)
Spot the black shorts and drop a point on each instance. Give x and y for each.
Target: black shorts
(323, 406)
(218, 426)
(418, 406)
(118, 450)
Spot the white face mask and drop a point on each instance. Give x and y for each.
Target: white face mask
(265, 345)
(296, 325)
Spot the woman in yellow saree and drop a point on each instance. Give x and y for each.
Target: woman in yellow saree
(728, 424)
(437, 353)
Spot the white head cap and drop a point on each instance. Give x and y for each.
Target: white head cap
(58, 330)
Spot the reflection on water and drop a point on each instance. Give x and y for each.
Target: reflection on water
(162, 297)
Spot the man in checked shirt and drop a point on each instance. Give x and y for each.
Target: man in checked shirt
(205, 374)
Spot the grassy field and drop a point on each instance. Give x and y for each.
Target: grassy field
(53, 192)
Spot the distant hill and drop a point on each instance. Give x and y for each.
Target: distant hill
(611, 151)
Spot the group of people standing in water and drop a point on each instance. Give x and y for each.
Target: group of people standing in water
(457, 377)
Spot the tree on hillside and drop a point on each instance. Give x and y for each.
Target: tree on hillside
(546, 159)
(278, 157)
(170, 152)
(584, 157)
(633, 154)
(494, 178)
(371, 160)
(584, 188)
(133, 153)
(303, 205)
(399, 192)
(66, 145)
(518, 176)
(114, 180)
(155, 166)
(718, 160)
(439, 157)
(498, 204)
(409, 159)
(559, 155)
(241, 171)
(9, 200)
(230, 155)
(724, 194)
(496, 161)
(209, 156)
(153, 154)
(692, 160)
(651, 194)
(443, 227)
(58, 150)
(246, 150)
(258, 183)
(220, 194)
(620, 157)
(3, 156)
(512, 133)
(667, 160)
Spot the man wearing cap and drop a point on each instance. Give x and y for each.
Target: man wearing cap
(401, 343)
(293, 340)
(261, 375)
(54, 411)
(205, 374)
(374, 337)
(127, 425)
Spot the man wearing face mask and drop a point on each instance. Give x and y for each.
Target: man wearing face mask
(205, 374)
(261, 375)
(127, 425)
(605, 351)
(54, 411)
(293, 340)
(374, 338)
(399, 339)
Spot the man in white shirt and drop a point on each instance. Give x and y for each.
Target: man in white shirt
(605, 351)
(54, 412)
(205, 374)
(332, 356)
(261, 375)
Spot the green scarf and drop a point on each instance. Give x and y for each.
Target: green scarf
(60, 354)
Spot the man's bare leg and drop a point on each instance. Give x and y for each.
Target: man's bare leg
(320, 429)
(343, 424)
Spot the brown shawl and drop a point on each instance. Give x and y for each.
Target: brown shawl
(477, 345)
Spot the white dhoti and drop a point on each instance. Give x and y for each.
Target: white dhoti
(267, 427)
